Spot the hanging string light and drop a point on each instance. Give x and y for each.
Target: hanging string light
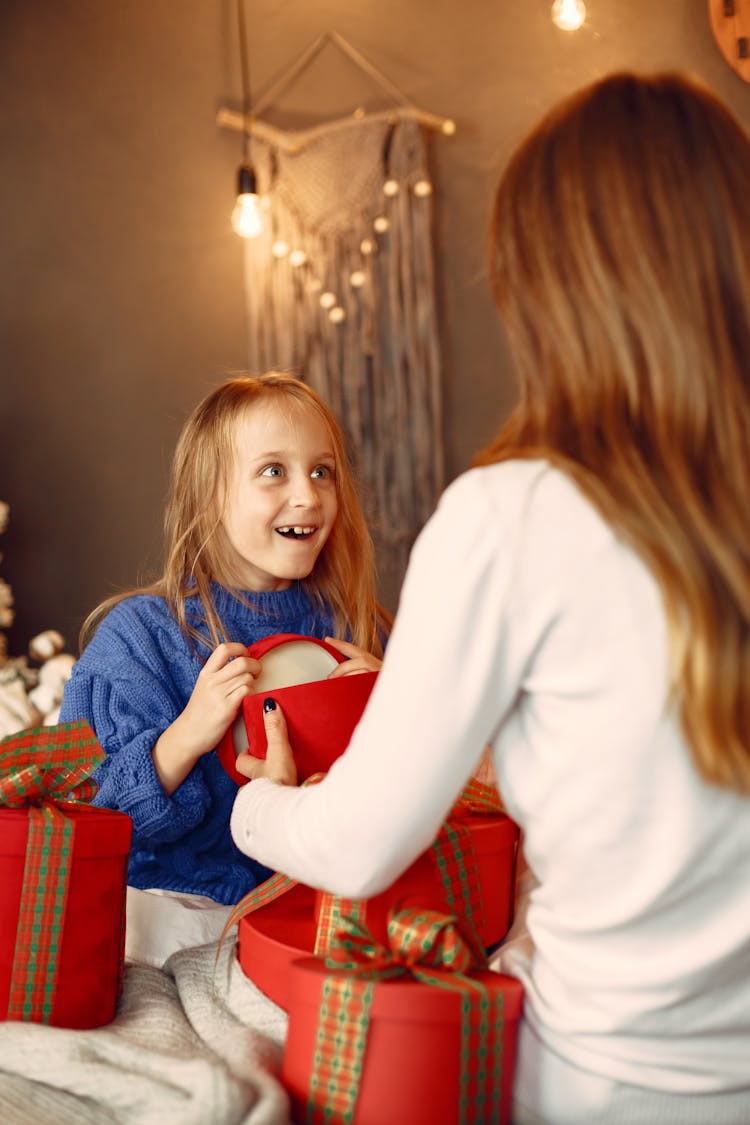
(568, 15)
(247, 219)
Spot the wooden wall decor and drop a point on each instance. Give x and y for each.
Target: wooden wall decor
(730, 24)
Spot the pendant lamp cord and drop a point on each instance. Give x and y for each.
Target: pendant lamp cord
(245, 70)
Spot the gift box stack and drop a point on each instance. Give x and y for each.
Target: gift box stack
(393, 1014)
(63, 875)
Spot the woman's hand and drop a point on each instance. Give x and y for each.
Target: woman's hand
(223, 682)
(278, 764)
(485, 769)
(358, 659)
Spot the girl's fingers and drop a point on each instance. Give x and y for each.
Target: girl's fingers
(231, 659)
(347, 668)
(358, 660)
(344, 647)
(226, 651)
(356, 666)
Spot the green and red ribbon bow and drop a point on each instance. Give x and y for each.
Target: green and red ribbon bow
(435, 949)
(40, 769)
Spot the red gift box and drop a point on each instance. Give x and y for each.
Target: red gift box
(320, 714)
(400, 1050)
(62, 909)
(280, 929)
(493, 841)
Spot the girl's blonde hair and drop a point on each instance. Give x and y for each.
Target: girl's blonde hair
(343, 578)
(620, 261)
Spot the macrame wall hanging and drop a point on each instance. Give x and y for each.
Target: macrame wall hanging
(340, 290)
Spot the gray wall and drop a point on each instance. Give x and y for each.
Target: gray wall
(121, 281)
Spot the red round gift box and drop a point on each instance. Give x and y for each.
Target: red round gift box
(90, 963)
(411, 1067)
(270, 938)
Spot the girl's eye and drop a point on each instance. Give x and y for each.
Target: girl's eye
(321, 472)
(272, 471)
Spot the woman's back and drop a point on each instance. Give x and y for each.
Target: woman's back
(640, 969)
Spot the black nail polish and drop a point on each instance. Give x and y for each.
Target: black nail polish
(269, 704)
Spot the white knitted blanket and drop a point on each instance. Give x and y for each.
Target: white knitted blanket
(195, 1043)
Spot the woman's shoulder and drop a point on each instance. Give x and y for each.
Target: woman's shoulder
(532, 496)
(515, 485)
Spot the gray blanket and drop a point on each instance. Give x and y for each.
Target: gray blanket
(195, 1043)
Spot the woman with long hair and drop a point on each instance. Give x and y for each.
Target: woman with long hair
(581, 601)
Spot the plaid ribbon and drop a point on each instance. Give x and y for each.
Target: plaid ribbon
(434, 949)
(40, 769)
(331, 914)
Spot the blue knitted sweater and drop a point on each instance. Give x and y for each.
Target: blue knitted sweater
(131, 682)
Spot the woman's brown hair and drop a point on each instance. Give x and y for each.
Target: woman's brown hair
(194, 545)
(620, 263)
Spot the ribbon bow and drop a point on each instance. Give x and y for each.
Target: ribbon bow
(418, 939)
(48, 764)
(437, 950)
(40, 769)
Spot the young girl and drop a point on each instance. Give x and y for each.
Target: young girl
(263, 534)
(581, 599)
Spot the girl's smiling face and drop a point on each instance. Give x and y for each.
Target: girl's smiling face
(281, 501)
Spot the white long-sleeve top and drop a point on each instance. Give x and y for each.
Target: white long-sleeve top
(525, 623)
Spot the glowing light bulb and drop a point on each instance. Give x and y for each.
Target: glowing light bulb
(246, 217)
(568, 15)
(390, 187)
(280, 249)
(423, 188)
(337, 314)
(297, 258)
(357, 278)
(381, 224)
(327, 299)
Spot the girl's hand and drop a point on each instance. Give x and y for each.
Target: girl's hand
(227, 677)
(278, 764)
(358, 659)
(223, 682)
